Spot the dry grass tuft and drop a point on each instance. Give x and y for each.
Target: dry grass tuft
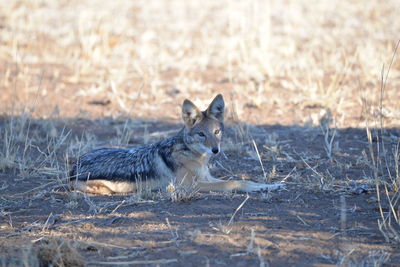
(384, 163)
(60, 253)
(181, 192)
(53, 251)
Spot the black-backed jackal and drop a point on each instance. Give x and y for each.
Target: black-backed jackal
(182, 159)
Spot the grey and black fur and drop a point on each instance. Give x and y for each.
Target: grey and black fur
(125, 165)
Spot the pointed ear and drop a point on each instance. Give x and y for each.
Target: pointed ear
(216, 108)
(190, 113)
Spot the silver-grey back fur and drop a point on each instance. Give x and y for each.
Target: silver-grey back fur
(128, 165)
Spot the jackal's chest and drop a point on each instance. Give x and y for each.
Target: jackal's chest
(191, 172)
(191, 167)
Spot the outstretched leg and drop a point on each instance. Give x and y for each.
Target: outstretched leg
(233, 185)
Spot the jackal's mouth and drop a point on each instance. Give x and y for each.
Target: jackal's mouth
(200, 150)
(205, 151)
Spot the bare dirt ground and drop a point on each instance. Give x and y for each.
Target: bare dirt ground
(327, 215)
(312, 101)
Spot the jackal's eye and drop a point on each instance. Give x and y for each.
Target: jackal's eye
(201, 134)
(217, 132)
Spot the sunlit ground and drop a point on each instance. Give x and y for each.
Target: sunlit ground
(288, 62)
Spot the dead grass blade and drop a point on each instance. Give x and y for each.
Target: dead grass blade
(137, 262)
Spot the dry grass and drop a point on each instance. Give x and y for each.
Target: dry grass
(265, 54)
(308, 63)
(58, 252)
(384, 156)
(181, 192)
(47, 252)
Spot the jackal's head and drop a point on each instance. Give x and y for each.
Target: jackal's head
(203, 129)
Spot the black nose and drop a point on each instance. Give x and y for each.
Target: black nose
(215, 150)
